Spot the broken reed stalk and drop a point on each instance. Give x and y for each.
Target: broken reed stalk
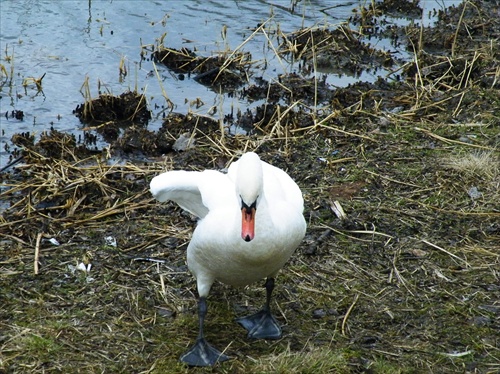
(169, 102)
(315, 65)
(222, 130)
(122, 68)
(344, 233)
(37, 252)
(421, 35)
(195, 130)
(392, 180)
(277, 119)
(87, 96)
(10, 60)
(464, 82)
(276, 53)
(419, 82)
(3, 70)
(150, 242)
(455, 38)
(220, 145)
(490, 214)
(140, 103)
(126, 205)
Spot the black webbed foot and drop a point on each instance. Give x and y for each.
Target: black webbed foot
(261, 325)
(203, 354)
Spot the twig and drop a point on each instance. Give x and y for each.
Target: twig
(344, 321)
(445, 251)
(446, 140)
(149, 259)
(344, 233)
(12, 163)
(392, 180)
(334, 128)
(370, 232)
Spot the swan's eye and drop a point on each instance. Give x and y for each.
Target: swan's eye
(247, 207)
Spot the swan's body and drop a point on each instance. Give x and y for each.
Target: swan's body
(250, 224)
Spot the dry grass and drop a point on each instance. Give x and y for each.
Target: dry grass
(477, 164)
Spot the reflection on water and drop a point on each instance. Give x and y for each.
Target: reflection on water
(71, 40)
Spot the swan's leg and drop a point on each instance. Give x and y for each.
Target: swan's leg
(262, 325)
(202, 353)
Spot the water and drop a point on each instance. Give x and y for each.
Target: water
(70, 41)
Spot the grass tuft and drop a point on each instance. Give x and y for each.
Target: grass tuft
(480, 163)
(310, 360)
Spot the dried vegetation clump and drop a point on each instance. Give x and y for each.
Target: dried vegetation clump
(128, 107)
(338, 50)
(225, 71)
(109, 115)
(290, 88)
(51, 145)
(399, 270)
(56, 191)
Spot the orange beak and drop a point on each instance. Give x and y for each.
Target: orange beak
(248, 223)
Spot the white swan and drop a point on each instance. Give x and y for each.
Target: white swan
(250, 223)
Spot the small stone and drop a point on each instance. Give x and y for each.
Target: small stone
(474, 193)
(481, 321)
(111, 241)
(183, 142)
(319, 313)
(167, 313)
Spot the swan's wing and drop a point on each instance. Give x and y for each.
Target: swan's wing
(182, 188)
(217, 190)
(196, 192)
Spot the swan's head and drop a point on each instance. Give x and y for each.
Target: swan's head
(249, 187)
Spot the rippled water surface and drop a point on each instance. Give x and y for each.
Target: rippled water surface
(68, 41)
